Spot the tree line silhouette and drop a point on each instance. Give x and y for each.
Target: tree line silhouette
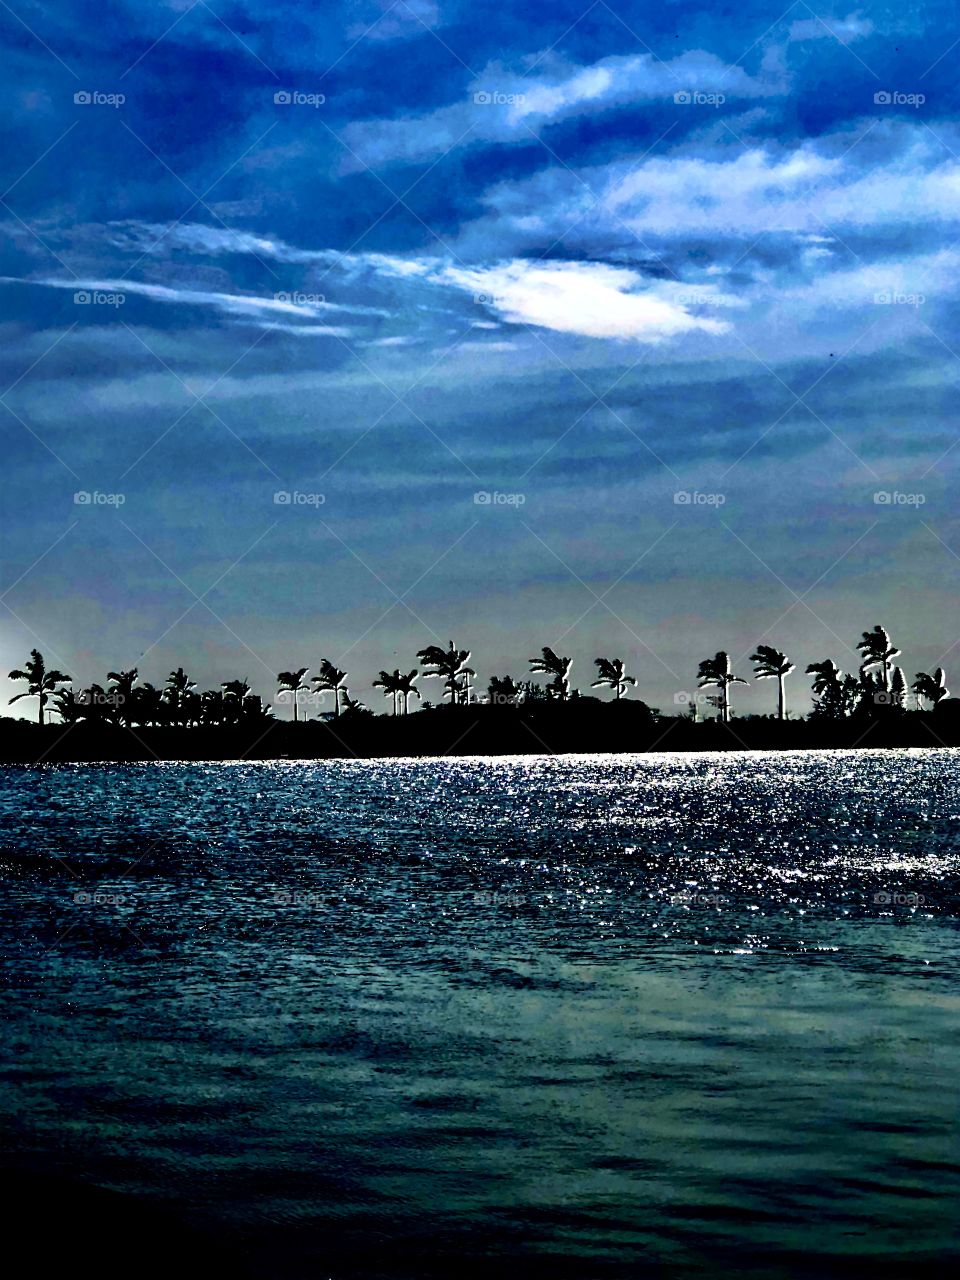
(127, 702)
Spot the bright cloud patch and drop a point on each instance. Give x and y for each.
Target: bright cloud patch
(592, 299)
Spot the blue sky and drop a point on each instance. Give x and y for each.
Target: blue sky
(383, 257)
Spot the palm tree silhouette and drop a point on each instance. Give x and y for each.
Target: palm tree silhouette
(213, 707)
(932, 688)
(121, 691)
(837, 694)
(716, 671)
(148, 704)
(331, 680)
(176, 691)
(877, 652)
(559, 668)
(406, 686)
(40, 682)
(68, 706)
(235, 693)
(771, 664)
(611, 676)
(293, 682)
(503, 690)
(449, 665)
(390, 684)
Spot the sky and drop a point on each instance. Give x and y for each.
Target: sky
(337, 330)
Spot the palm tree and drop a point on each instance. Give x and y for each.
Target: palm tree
(559, 668)
(932, 688)
(406, 686)
(504, 691)
(40, 682)
(121, 691)
(214, 708)
(877, 652)
(390, 684)
(836, 694)
(331, 680)
(771, 664)
(235, 693)
(611, 676)
(449, 665)
(716, 671)
(149, 705)
(68, 706)
(175, 692)
(292, 682)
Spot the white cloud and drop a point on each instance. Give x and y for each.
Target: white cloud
(502, 106)
(587, 298)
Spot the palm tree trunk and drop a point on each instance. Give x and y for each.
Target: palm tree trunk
(42, 701)
(780, 707)
(294, 706)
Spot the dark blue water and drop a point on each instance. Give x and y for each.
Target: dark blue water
(568, 1016)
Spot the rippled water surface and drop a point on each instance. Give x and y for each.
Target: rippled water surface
(578, 1017)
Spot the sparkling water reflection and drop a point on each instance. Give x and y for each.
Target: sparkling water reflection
(567, 1015)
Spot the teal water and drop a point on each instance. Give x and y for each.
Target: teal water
(566, 1016)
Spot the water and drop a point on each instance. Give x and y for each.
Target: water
(585, 1017)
